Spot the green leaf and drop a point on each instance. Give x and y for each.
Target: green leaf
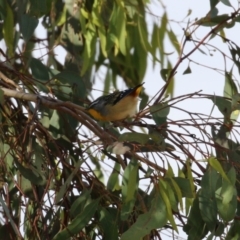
(112, 42)
(226, 197)
(55, 120)
(235, 52)
(130, 183)
(174, 40)
(226, 2)
(178, 192)
(210, 21)
(189, 176)
(155, 218)
(73, 82)
(32, 174)
(236, 101)
(185, 186)
(232, 175)
(80, 203)
(226, 208)
(207, 201)
(144, 101)
(217, 166)
(171, 196)
(227, 193)
(8, 29)
(39, 70)
(63, 189)
(163, 192)
(8, 158)
(108, 223)
(103, 41)
(121, 29)
(188, 205)
(89, 49)
(162, 32)
(157, 137)
(187, 71)
(159, 113)
(26, 186)
(170, 88)
(117, 30)
(213, 12)
(79, 222)
(142, 29)
(113, 181)
(63, 17)
(224, 105)
(213, 3)
(169, 172)
(155, 41)
(235, 107)
(27, 26)
(237, 18)
(230, 87)
(39, 7)
(223, 35)
(195, 228)
(134, 137)
(165, 73)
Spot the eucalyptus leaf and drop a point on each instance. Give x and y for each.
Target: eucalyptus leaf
(159, 113)
(129, 188)
(39, 70)
(28, 25)
(156, 217)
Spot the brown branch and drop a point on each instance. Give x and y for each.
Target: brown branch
(173, 71)
(72, 109)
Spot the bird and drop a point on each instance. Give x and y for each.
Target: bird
(116, 106)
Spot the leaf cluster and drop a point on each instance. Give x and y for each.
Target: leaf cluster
(65, 176)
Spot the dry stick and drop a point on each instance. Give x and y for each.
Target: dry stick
(80, 114)
(147, 162)
(173, 71)
(9, 81)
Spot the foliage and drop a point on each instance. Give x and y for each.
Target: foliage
(65, 176)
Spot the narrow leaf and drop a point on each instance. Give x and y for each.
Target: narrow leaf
(129, 188)
(230, 87)
(174, 40)
(134, 137)
(154, 219)
(28, 24)
(39, 70)
(226, 2)
(187, 71)
(217, 166)
(8, 28)
(159, 113)
(167, 203)
(79, 222)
